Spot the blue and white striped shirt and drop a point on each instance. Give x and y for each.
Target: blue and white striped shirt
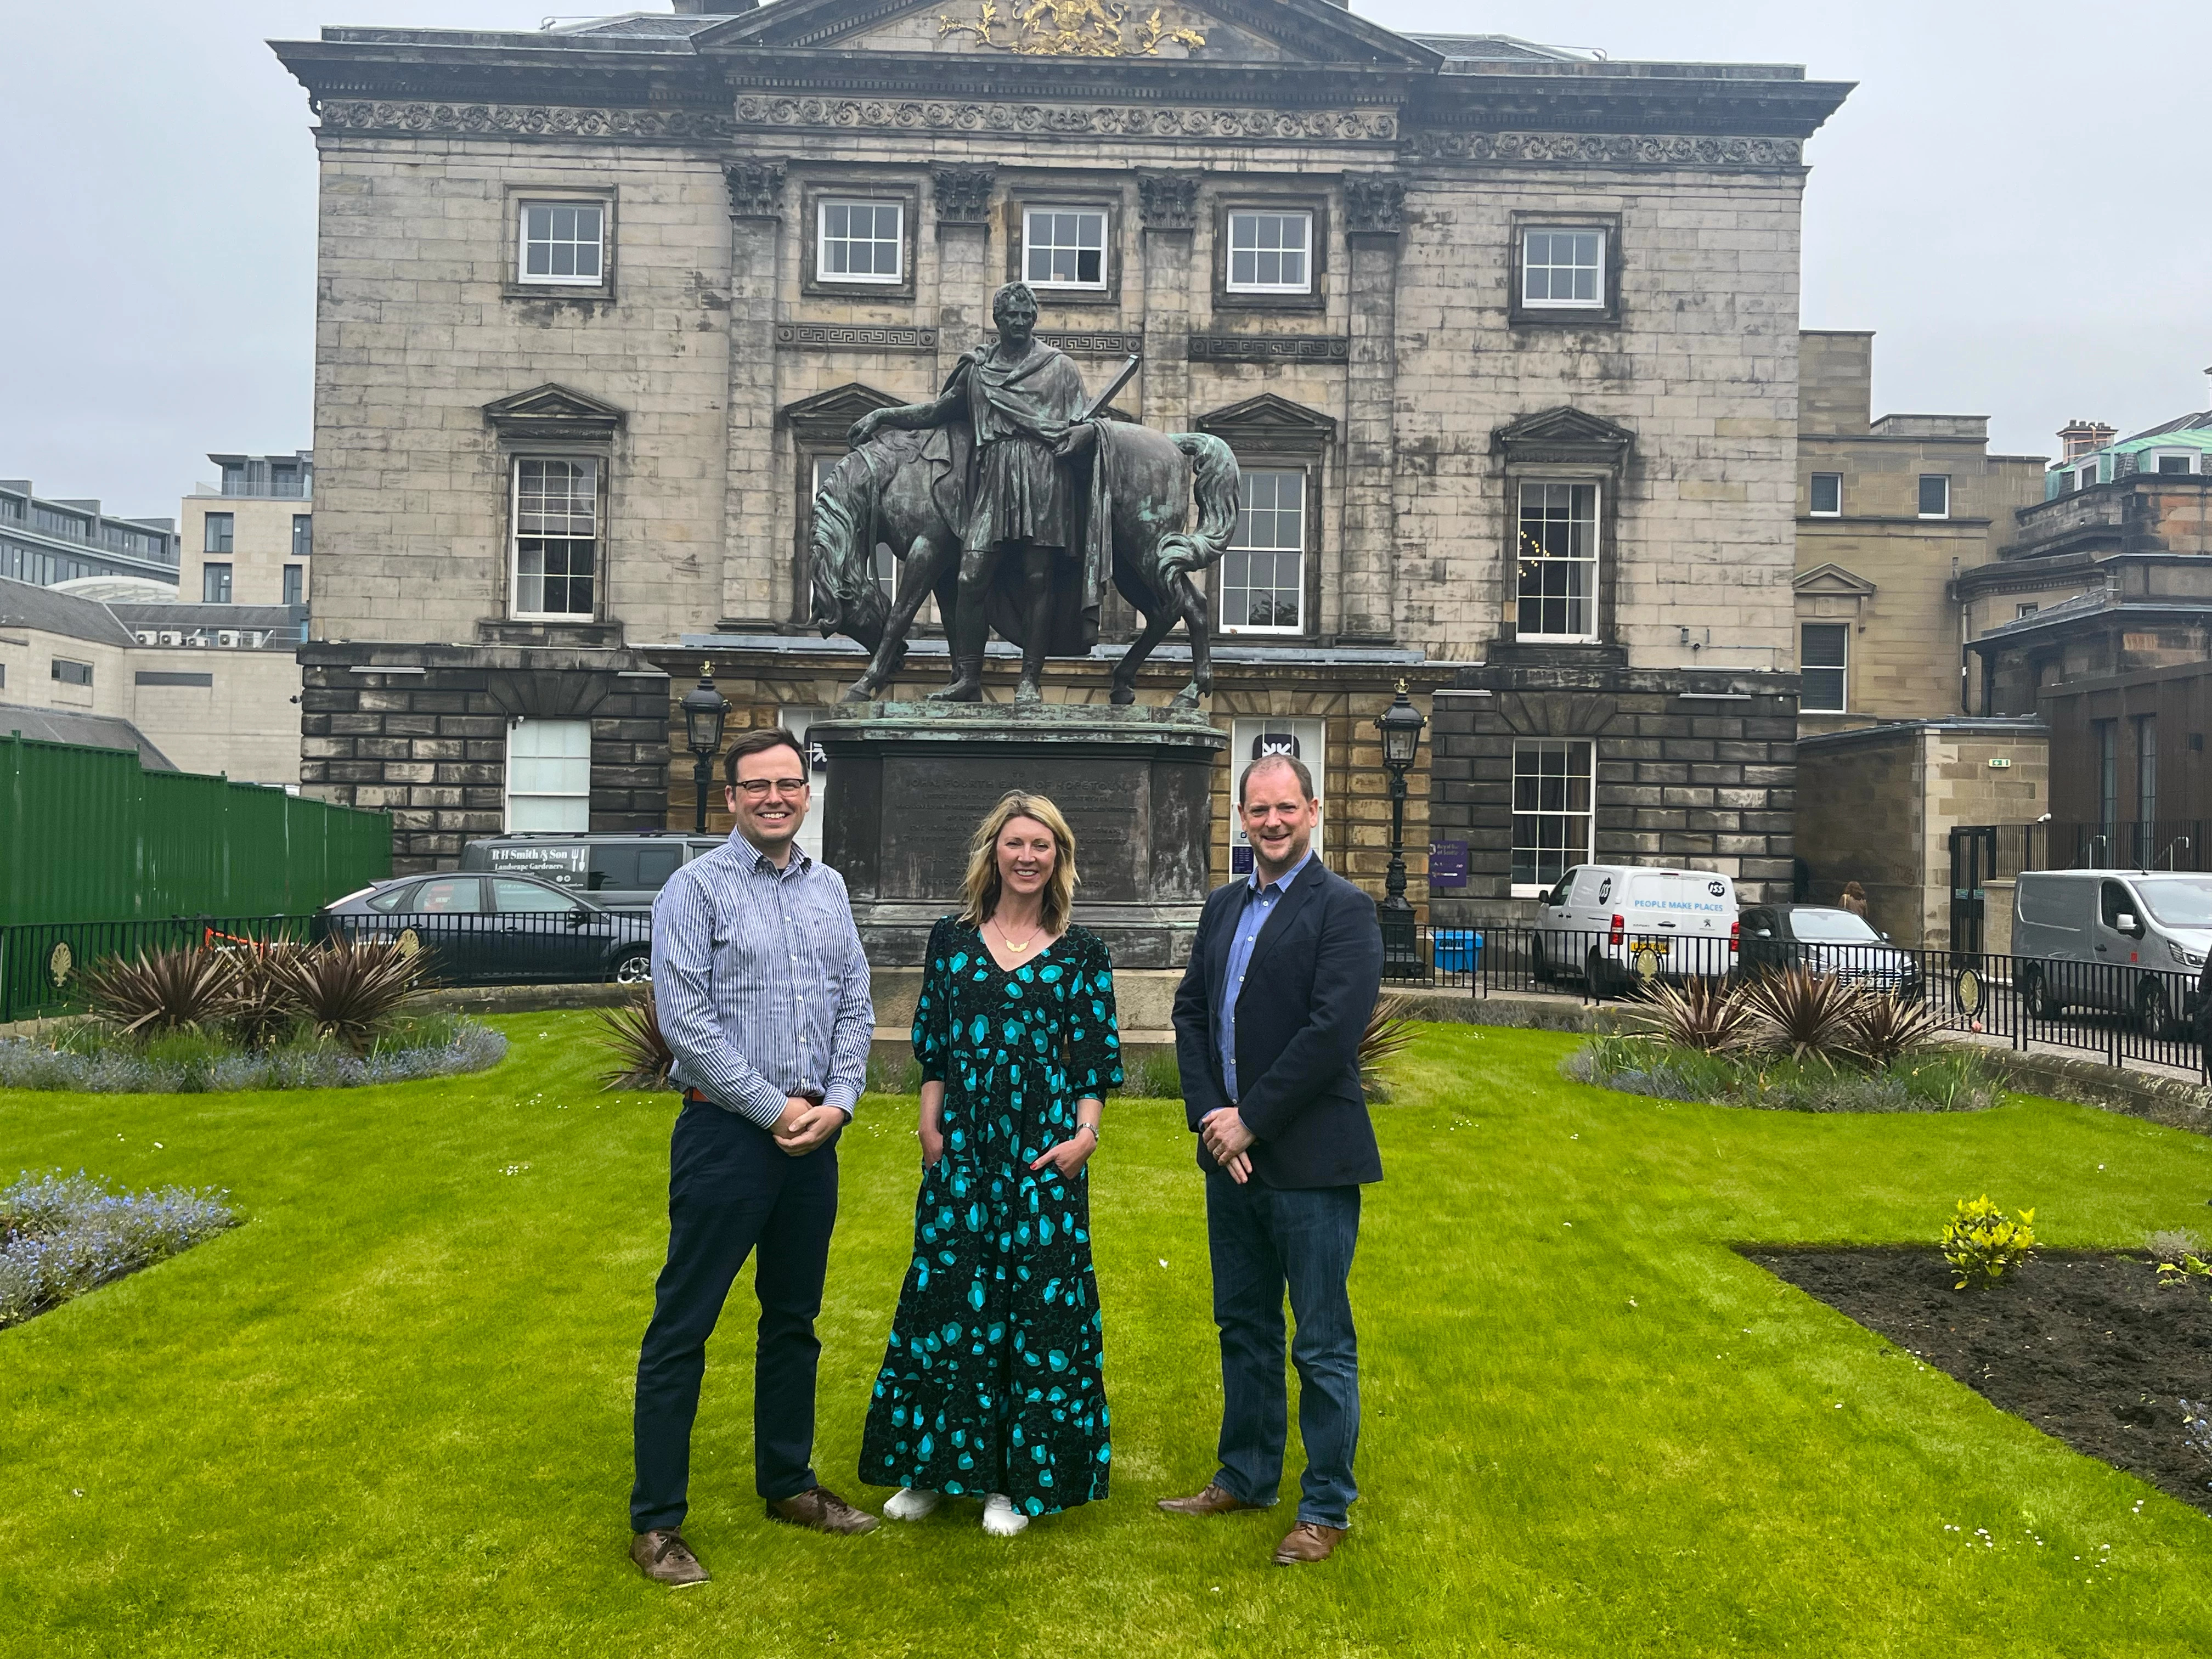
(760, 983)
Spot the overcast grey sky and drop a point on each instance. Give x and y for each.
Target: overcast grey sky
(2012, 196)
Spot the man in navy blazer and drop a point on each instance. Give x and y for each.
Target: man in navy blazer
(1282, 978)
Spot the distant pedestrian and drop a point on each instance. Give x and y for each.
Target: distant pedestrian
(763, 996)
(1854, 900)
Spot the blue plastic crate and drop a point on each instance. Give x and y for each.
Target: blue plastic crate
(1459, 950)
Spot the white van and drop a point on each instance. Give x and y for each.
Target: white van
(2127, 941)
(1613, 923)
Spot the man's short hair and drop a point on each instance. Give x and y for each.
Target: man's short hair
(756, 743)
(1011, 292)
(1298, 771)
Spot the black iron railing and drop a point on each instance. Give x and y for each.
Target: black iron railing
(41, 963)
(2119, 1012)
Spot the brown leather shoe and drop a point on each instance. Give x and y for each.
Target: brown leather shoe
(665, 1558)
(1211, 1501)
(1308, 1541)
(823, 1510)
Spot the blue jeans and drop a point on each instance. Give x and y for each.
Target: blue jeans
(1264, 1239)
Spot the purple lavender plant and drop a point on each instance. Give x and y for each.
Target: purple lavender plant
(61, 1236)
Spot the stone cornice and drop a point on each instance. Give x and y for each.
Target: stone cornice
(1605, 150)
(1122, 120)
(1270, 348)
(616, 124)
(690, 126)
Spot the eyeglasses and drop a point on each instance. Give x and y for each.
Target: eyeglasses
(757, 788)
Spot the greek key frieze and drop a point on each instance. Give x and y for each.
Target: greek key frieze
(1271, 348)
(857, 337)
(1135, 121)
(1647, 149)
(523, 120)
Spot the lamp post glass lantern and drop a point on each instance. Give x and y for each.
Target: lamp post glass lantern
(1400, 724)
(706, 711)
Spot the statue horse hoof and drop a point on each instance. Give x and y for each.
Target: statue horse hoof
(1122, 695)
(1186, 699)
(861, 692)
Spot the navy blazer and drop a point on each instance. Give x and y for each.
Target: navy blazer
(1316, 969)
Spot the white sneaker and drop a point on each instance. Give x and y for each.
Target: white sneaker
(1000, 1518)
(912, 1504)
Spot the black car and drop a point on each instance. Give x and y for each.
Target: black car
(1825, 940)
(496, 930)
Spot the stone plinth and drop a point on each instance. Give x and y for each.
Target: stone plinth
(909, 782)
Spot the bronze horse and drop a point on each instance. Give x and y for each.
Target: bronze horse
(900, 490)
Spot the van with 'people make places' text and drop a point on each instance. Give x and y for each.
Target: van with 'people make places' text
(1611, 924)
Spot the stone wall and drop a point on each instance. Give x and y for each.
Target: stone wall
(1696, 770)
(428, 743)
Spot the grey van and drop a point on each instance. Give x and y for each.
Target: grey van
(617, 871)
(2123, 941)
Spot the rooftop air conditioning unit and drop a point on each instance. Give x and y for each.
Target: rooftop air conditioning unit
(226, 638)
(171, 637)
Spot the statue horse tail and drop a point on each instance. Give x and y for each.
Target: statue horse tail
(845, 597)
(1216, 488)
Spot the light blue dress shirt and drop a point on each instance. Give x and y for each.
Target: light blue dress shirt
(762, 984)
(1259, 904)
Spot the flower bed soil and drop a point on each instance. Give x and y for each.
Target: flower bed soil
(2088, 1347)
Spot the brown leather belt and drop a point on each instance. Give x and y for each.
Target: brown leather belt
(812, 1096)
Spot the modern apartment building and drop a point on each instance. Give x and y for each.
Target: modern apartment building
(45, 540)
(248, 538)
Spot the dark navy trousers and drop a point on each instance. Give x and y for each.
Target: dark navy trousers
(1264, 1241)
(732, 1191)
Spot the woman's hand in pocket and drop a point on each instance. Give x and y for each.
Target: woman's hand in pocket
(933, 1144)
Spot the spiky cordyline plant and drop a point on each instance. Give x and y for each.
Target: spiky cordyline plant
(1704, 1014)
(1884, 1027)
(178, 989)
(264, 1001)
(350, 990)
(1808, 1016)
(1390, 1028)
(633, 1035)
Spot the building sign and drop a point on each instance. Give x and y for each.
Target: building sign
(1447, 864)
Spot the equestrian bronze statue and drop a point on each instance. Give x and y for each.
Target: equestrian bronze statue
(1013, 501)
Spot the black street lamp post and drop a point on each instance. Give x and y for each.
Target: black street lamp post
(705, 712)
(1400, 725)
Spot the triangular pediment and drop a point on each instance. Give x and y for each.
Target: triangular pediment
(1833, 580)
(1213, 31)
(1268, 422)
(553, 411)
(824, 416)
(1562, 426)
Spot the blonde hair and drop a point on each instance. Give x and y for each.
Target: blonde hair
(982, 888)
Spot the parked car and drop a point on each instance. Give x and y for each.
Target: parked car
(2124, 941)
(620, 871)
(1611, 923)
(497, 930)
(1825, 940)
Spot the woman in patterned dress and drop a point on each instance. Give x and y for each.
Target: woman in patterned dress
(991, 1384)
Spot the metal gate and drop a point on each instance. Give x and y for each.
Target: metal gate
(1973, 860)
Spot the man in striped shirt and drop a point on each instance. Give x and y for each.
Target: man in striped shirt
(762, 994)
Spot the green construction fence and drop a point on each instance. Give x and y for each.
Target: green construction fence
(88, 835)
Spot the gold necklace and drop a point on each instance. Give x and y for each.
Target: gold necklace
(1018, 950)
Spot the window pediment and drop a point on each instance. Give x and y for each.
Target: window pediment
(1270, 424)
(823, 418)
(1565, 435)
(553, 414)
(1834, 581)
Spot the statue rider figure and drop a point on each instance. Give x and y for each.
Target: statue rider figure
(1031, 559)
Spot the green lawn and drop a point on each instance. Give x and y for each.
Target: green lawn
(390, 1412)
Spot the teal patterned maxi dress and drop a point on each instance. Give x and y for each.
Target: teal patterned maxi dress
(992, 1379)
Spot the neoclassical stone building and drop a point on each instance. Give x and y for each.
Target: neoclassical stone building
(1504, 338)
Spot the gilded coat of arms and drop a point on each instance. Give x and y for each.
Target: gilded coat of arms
(1071, 29)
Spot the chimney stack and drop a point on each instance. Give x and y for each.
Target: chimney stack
(2082, 437)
